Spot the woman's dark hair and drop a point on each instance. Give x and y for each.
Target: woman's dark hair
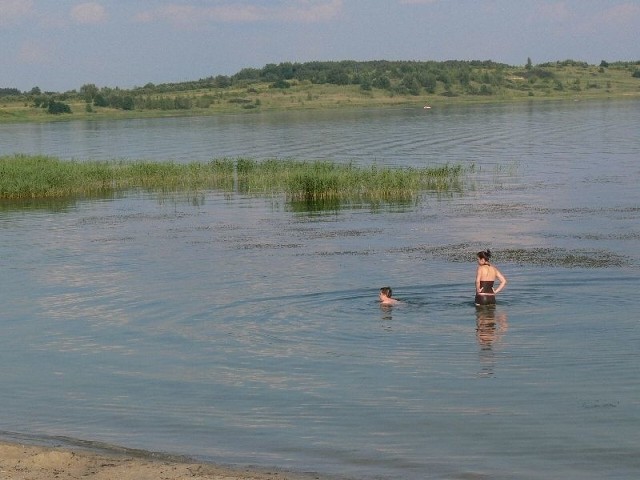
(485, 255)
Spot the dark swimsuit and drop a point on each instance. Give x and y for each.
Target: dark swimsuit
(486, 286)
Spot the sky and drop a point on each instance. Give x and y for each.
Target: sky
(61, 45)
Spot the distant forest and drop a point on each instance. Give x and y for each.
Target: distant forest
(448, 78)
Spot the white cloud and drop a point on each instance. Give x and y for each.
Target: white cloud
(32, 52)
(617, 20)
(89, 13)
(308, 11)
(305, 11)
(575, 21)
(554, 12)
(626, 13)
(13, 10)
(417, 2)
(617, 15)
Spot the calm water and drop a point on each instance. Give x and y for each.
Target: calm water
(246, 331)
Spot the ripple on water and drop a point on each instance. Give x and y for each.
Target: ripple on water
(247, 330)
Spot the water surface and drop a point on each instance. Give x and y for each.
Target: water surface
(242, 330)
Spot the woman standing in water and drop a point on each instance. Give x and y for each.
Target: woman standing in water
(485, 277)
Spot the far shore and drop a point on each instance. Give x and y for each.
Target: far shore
(11, 114)
(316, 86)
(30, 462)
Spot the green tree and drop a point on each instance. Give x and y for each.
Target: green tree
(128, 103)
(89, 91)
(183, 103)
(410, 82)
(382, 82)
(222, 81)
(9, 92)
(41, 101)
(445, 77)
(429, 81)
(270, 73)
(464, 76)
(338, 76)
(100, 101)
(365, 82)
(529, 64)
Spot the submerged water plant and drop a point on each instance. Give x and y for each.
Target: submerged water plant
(546, 256)
(23, 176)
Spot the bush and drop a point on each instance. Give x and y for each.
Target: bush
(486, 89)
(382, 82)
(57, 108)
(281, 84)
(127, 103)
(41, 102)
(100, 101)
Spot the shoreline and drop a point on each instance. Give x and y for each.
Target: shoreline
(30, 461)
(19, 114)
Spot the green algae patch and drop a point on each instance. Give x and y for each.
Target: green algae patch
(552, 257)
(561, 257)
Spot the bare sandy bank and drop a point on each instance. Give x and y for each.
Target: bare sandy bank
(26, 462)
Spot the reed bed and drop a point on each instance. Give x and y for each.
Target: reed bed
(23, 176)
(323, 180)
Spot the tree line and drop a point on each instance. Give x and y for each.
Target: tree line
(449, 78)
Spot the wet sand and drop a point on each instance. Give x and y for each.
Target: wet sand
(27, 462)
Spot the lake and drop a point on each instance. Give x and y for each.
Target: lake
(246, 329)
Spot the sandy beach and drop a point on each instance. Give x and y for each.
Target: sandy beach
(27, 462)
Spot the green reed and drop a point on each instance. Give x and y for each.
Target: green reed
(324, 180)
(23, 176)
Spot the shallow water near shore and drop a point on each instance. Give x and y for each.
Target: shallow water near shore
(246, 330)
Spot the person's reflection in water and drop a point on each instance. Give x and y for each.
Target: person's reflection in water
(386, 312)
(491, 325)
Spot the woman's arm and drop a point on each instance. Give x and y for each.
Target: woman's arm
(503, 281)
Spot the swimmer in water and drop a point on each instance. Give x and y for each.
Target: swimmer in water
(485, 278)
(385, 297)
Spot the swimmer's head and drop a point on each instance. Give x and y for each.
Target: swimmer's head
(386, 291)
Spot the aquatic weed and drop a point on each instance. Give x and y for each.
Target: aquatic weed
(25, 176)
(552, 257)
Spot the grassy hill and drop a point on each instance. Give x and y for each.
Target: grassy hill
(323, 85)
